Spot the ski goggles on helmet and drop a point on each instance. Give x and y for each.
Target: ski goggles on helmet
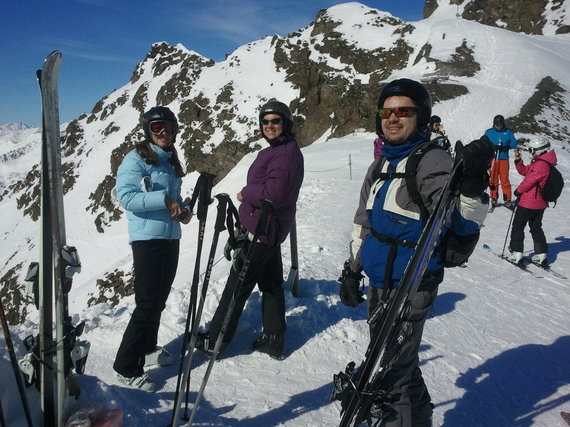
(385, 113)
(160, 127)
(533, 150)
(275, 121)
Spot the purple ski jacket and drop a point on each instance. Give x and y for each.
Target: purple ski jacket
(276, 174)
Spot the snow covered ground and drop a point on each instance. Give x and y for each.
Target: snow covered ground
(495, 351)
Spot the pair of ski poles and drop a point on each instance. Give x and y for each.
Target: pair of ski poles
(226, 218)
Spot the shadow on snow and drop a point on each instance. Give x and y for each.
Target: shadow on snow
(514, 387)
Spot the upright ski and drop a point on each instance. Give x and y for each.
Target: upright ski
(293, 277)
(64, 260)
(359, 390)
(47, 79)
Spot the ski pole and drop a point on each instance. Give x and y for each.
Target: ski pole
(15, 366)
(266, 206)
(494, 184)
(191, 203)
(509, 228)
(202, 194)
(223, 203)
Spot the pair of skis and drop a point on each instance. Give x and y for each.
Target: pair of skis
(363, 390)
(54, 273)
(227, 217)
(526, 262)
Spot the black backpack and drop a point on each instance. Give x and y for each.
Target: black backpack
(554, 184)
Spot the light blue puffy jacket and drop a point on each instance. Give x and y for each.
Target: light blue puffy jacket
(147, 213)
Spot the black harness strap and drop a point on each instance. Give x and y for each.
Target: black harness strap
(394, 243)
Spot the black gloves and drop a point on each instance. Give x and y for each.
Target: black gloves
(456, 249)
(238, 245)
(476, 156)
(350, 294)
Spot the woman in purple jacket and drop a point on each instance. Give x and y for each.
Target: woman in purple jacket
(276, 174)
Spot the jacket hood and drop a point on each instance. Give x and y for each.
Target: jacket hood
(549, 157)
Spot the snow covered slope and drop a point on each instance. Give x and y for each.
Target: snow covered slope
(496, 350)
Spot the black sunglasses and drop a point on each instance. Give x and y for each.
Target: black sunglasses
(275, 121)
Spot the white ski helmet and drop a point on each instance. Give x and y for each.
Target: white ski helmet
(538, 146)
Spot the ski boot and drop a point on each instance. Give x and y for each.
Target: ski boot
(515, 257)
(540, 259)
(143, 382)
(272, 344)
(206, 345)
(160, 356)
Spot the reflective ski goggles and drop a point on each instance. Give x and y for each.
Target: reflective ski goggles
(159, 127)
(275, 121)
(534, 150)
(384, 113)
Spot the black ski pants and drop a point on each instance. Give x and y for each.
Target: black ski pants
(265, 270)
(155, 264)
(404, 380)
(532, 217)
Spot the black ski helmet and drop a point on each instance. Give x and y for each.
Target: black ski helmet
(412, 89)
(158, 114)
(499, 120)
(275, 107)
(434, 119)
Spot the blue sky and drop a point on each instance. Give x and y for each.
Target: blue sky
(102, 41)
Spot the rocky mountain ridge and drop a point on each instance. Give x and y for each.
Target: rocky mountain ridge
(540, 17)
(329, 73)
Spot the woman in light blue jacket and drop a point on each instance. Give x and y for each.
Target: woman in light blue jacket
(148, 188)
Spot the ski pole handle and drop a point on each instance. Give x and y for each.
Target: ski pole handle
(220, 225)
(205, 195)
(266, 208)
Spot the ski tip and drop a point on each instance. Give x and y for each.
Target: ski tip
(55, 53)
(486, 246)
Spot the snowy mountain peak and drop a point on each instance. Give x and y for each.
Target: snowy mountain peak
(12, 127)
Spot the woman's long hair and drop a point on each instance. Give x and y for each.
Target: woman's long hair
(149, 156)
